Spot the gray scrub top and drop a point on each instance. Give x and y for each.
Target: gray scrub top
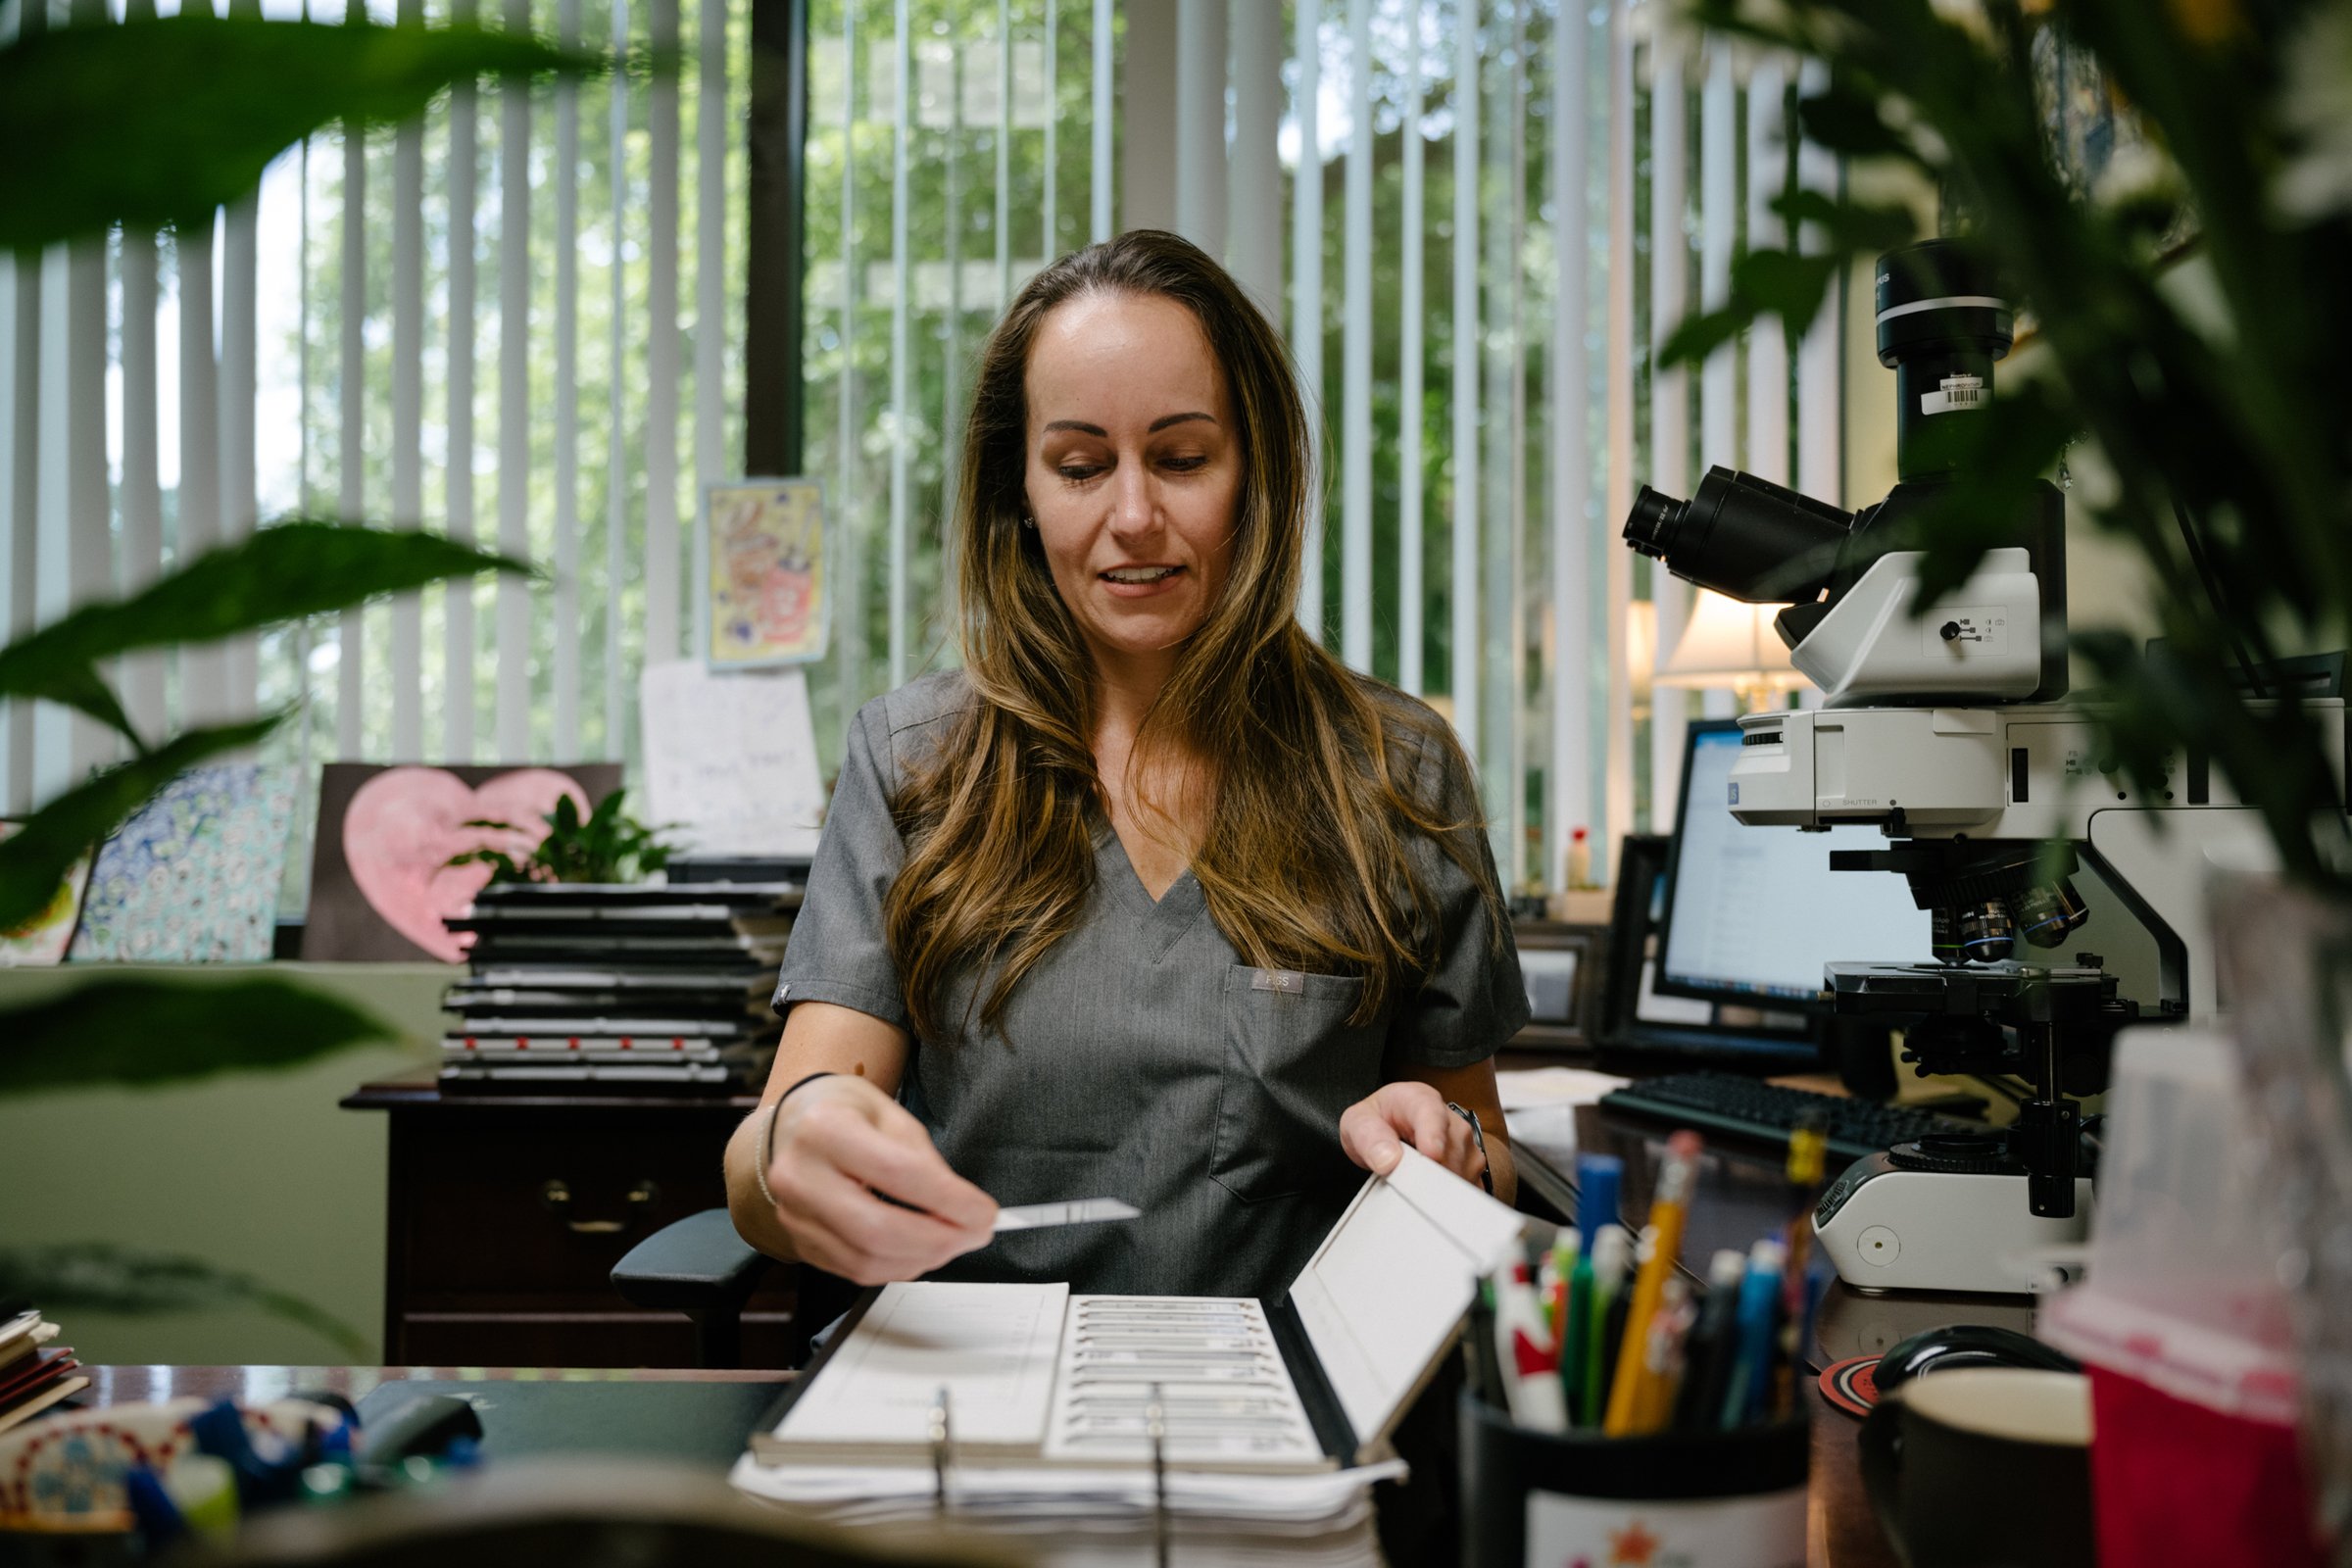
(1140, 1058)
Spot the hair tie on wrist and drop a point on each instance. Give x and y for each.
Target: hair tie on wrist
(767, 1137)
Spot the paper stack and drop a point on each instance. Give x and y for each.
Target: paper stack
(591, 983)
(34, 1373)
(1079, 1518)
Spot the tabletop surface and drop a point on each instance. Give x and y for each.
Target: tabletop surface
(1737, 1200)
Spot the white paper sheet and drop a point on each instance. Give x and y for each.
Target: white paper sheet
(992, 1345)
(1525, 1088)
(1540, 1105)
(732, 760)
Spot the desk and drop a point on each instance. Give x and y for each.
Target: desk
(1844, 1535)
(506, 1214)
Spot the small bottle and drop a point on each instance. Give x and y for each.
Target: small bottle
(1580, 859)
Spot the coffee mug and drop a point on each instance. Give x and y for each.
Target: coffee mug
(1984, 1467)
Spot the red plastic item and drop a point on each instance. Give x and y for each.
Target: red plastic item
(2177, 1484)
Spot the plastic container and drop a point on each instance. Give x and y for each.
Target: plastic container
(2182, 1324)
(1715, 1499)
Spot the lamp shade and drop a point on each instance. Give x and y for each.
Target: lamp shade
(1729, 644)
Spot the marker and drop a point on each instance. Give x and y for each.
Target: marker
(1576, 1337)
(1759, 1302)
(1712, 1343)
(1598, 1178)
(1667, 1213)
(1531, 1368)
(1566, 1250)
(1610, 1253)
(1808, 1155)
(1478, 1346)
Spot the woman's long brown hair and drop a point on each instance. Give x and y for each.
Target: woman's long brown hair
(1319, 785)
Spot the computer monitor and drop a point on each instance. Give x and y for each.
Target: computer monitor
(1752, 913)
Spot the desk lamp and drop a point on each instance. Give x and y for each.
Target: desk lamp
(1729, 644)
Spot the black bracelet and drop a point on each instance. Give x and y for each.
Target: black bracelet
(1478, 1136)
(767, 1136)
(802, 1084)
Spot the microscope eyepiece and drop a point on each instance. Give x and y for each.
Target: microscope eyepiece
(1743, 536)
(1652, 525)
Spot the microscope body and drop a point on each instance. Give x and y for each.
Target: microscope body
(1946, 724)
(2016, 791)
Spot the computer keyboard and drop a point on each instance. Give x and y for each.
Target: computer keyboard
(1725, 1103)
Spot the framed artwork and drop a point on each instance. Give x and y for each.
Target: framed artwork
(762, 560)
(194, 877)
(381, 884)
(42, 941)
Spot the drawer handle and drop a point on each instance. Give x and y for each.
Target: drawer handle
(556, 1195)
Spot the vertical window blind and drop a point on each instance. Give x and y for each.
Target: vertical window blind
(518, 320)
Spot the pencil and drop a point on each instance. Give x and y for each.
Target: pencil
(1667, 1213)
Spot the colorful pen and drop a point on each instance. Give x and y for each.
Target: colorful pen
(1759, 1305)
(1667, 1212)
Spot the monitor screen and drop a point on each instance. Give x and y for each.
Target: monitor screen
(1752, 913)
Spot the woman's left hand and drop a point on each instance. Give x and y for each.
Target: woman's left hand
(1372, 1129)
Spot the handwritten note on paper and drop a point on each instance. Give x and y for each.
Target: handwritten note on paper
(731, 759)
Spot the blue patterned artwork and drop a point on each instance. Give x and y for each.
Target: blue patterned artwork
(194, 877)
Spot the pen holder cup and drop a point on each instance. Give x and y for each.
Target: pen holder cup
(1705, 1500)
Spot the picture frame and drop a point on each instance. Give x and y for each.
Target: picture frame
(762, 571)
(1564, 966)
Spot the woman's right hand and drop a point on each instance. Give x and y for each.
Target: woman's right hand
(837, 1145)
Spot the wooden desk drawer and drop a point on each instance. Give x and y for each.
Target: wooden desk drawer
(511, 1203)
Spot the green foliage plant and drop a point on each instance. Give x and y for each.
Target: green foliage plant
(2197, 398)
(608, 845)
(152, 122)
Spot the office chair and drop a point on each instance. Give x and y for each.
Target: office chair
(699, 1266)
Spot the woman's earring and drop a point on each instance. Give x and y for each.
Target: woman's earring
(1027, 521)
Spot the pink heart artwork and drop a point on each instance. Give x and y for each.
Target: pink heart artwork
(405, 823)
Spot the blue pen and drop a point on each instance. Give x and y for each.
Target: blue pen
(1759, 1300)
(1597, 1177)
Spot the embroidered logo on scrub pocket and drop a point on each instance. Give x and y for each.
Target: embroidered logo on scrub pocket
(1289, 982)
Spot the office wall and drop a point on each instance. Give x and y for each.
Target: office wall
(256, 1173)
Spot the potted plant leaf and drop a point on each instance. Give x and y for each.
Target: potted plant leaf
(149, 123)
(2193, 317)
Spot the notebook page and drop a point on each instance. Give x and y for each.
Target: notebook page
(991, 1346)
(1226, 1397)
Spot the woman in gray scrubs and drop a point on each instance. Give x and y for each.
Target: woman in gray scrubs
(1152, 900)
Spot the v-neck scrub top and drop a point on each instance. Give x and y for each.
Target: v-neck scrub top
(1140, 1058)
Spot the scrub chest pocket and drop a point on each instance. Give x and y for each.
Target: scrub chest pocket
(1292, 1064)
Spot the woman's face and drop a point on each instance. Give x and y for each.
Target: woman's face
(1134, 472)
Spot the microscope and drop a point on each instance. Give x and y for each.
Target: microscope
(1944, 723)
